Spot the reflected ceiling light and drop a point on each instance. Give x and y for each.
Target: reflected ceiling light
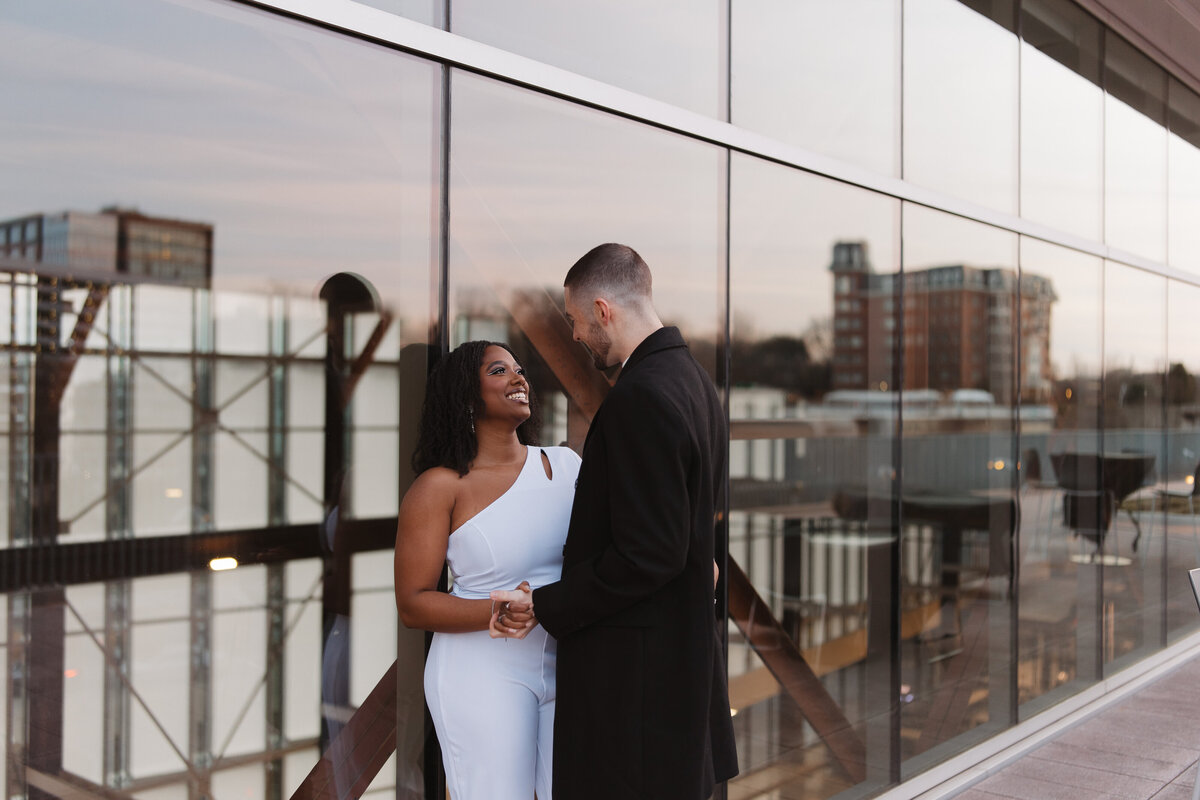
(174, 494)
(1068, 393)
(733, 712)
(71, 673)
(1190, 480)
(223, 563)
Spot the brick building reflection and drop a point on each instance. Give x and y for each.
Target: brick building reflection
(959, 327)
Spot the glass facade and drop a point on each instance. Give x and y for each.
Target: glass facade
(939, 258)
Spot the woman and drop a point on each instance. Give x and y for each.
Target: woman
(495, 507)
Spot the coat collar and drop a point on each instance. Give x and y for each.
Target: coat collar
(662, 339)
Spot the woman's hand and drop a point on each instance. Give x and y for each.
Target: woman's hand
(512, 613)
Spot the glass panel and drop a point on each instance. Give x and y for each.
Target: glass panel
(239, 664)
(302, 672)
(813, 425)
(429, 12)
(239, 783)
(239, 589)
(791, 79)
(1135, 338)
(305, 462)
(1058, 609)
(163, 483)
(522, 162)
(535, 184)
(306, 394)
(373, 623)
(384, 785)
(163, 315)
(517, 227)
(162, 395)
(302, 579)
(272, 163)
(1180, 473)
(81, 510)
(86, 601)
(241, 394)
(1135, 152)
(161, 598)
(672, 50)
(240, 473)
(1133, 78)
(376, 484)
(958, 458)
(83, 707)
(85, 398)
(297, 765)
(1183, 179)
(241, 323)
(1062, 119)
(376, 397)
(960, 103)
(158, 670)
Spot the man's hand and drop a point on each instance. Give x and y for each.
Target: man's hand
(512, 613)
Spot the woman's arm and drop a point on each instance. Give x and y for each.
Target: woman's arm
(422, 533)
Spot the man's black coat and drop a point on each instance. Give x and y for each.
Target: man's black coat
(643, 707)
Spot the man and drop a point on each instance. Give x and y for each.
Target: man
(642, 707)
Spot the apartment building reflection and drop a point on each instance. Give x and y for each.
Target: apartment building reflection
(960, 324)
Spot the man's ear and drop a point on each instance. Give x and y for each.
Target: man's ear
(602, 310)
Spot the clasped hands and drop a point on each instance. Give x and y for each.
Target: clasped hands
(512, 613)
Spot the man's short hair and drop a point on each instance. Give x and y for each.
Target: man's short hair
(615, 271)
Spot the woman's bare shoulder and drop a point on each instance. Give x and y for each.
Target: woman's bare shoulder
(436, 485)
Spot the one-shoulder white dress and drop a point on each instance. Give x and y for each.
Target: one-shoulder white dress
(492, 700)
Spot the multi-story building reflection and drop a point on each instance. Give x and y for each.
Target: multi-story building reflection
(959, 326)
(119, 240)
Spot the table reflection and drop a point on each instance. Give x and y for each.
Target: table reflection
(1094, 485)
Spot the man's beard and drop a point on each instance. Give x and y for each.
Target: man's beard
(600, 352)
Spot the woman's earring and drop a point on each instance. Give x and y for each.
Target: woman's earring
(471, 419)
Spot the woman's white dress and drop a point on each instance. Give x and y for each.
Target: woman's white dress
(492, 700)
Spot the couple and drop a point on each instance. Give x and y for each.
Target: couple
(618, 550)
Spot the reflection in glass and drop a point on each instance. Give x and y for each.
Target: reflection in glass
(1180, 473)
(793, 79)
(1135, 152)
(1135, 310)
(960, 103)
(160, 291)
(534, 185)
(1183, 180)
(812, 476)
(958, 458)
(429, 12)
(1062, 118)
(1058, 609)
(671, 50)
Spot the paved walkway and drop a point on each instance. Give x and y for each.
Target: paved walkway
(1144, 747)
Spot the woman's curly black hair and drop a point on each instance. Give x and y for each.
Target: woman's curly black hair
(452, 401)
